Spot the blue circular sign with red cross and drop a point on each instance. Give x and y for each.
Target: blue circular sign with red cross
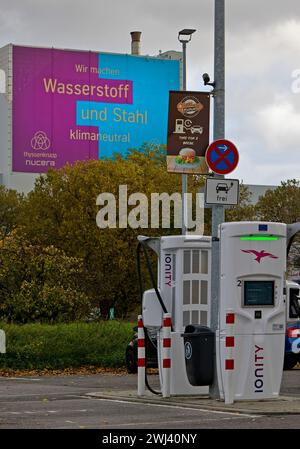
(222, 156)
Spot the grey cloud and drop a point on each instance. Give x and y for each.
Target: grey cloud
(261, 55)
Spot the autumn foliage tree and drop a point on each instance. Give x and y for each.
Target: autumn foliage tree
(61, 212)
(10, 203)
(56, 264)
(283, 205)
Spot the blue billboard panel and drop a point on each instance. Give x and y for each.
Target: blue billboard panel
(130, 105)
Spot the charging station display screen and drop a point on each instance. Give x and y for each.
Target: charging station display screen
(258, 293)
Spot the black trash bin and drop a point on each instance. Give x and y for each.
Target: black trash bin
(199, 343)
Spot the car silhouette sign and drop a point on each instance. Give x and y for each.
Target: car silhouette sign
(221, 191)
(196, 129)
(222, 187)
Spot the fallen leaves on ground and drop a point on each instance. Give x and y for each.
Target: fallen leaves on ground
(85, 370)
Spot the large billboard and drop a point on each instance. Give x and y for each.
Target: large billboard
(77, 105)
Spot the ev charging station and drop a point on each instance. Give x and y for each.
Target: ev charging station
(256, 302)
(252, 321)
(183, 283)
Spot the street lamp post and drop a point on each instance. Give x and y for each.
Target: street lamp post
(218, 213)
(184, 36)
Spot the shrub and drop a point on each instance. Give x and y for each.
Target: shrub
(60, 346)
(40, 284)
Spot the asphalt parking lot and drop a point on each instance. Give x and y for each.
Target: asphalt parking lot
(69, 402)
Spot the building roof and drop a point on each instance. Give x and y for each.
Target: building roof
(257, 191)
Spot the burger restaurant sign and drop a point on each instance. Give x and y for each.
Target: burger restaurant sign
(188, 132)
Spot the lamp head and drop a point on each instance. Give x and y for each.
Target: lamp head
(185, 35)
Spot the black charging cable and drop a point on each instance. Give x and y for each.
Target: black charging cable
(141, 289)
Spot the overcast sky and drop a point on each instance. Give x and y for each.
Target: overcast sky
(262, 60)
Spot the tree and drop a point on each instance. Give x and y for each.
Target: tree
(282, 204)
(10, 203)
(244, 211)
(61, 211)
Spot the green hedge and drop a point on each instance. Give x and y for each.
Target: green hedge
(43, 346)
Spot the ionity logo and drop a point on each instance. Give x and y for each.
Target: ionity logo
(259, 254)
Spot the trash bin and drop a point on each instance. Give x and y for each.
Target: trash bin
(199, 343)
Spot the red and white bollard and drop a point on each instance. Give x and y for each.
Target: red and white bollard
(141, 361)
(229, 361)
(166, 352)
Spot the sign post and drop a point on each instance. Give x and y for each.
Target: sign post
(218, 214)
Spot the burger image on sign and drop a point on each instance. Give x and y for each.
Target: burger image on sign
(189, 106)
(187, 158)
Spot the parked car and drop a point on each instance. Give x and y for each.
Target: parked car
(131, 352)
(291, 358)
(292, 338)
(292, 343)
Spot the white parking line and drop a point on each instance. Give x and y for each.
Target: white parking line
(43, 412)
(173, 422)
(22, 378)
(123, 401)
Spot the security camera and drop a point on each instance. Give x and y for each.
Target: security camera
(206, 78)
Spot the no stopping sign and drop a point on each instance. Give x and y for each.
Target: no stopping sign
(222, 156)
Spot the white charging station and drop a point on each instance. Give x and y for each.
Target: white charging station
(252, 320)
(184, 263)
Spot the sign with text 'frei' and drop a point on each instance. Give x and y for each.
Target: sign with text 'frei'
(78, 105)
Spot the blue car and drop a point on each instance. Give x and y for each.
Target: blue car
(292, 345)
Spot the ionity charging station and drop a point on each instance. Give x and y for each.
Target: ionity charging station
(248, 347)
(252, 320)
(183, 293)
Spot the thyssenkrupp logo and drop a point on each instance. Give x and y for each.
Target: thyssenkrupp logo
(40, 141)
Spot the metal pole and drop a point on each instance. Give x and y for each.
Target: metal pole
(183, 176)
(218, 214)
(183, 65)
